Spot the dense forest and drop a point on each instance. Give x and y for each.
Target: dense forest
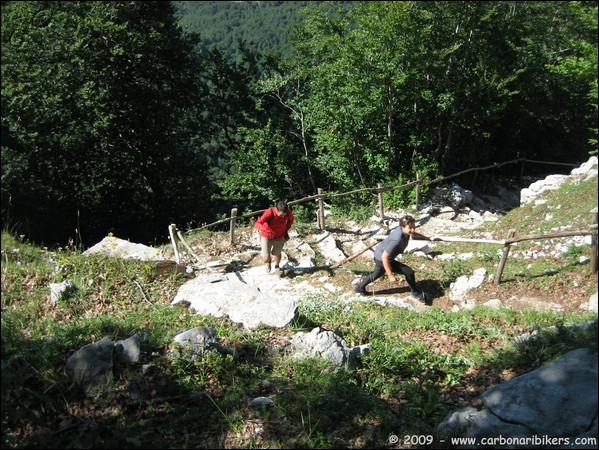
(125, 117)
(264, 26)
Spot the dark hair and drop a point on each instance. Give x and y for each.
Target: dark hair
(407, 219)
(283, 207)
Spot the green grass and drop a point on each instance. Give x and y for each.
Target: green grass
(422, 366)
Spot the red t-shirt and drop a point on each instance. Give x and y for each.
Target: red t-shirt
(272, 226)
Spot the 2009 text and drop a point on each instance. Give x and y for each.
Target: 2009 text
(411, 439)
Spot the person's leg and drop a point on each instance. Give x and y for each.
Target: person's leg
(276, 259)
(379, 271)
(277, 248)
(406, 271)
(266, 246)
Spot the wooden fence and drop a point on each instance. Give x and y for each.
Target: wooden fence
(512, 239)
(380, 189)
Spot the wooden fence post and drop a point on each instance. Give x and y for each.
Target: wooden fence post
(320, 210)
(381, 206)
(594, 246)
(232, 225)
(172, 231)
(318, 220)
(474, 180)
(506, 250)
(417, 190)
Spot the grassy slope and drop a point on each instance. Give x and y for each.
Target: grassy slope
(423, 366)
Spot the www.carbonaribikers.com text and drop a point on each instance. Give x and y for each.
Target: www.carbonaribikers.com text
(546, 441)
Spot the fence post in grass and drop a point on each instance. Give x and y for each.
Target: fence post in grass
(506, 250)
(417, 190)
(381, 206)
(320, 210)
(594, 246)
(172, 231)
(232, 225)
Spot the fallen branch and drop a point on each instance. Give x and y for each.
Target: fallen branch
(187, 246)
(142, 292)
(354, 256)
(459, 239)
(172, 232)
(191, 252)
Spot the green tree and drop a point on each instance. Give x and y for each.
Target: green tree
(232, 110)
(98, 101)
(579, 60)
(364, 86)
(547, 115)
(277, 153)
(395, 87)
(258, 174)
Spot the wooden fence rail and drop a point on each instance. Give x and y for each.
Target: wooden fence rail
(376, 190)
(512, 239)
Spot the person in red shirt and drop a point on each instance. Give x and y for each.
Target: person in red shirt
(274, 225)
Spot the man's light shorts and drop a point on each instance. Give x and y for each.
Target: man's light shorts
(271, 246)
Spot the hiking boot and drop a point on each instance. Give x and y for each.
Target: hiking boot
(276, 271)
(360, 290)
(419, 296)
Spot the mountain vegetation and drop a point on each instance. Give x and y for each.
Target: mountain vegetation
(125, 117)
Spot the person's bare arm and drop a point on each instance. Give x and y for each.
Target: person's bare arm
(387, 265)
(417, 235)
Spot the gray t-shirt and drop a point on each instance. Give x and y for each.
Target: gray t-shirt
(394, 244)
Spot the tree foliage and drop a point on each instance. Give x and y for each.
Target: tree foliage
(452, 82)
(114, 119)
(97, 103)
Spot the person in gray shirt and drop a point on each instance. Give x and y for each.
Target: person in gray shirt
(385, 262)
